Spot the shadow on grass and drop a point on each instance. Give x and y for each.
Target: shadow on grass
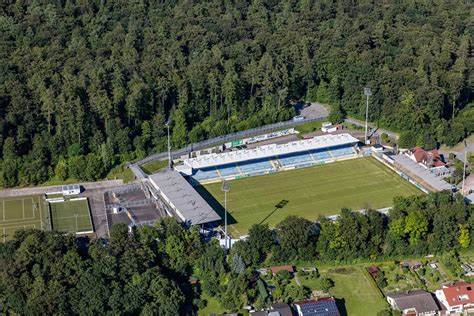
(218, 207)
(341, 306)
(279, 206)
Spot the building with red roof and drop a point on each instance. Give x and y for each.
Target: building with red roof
(429, 159)
(457, 298)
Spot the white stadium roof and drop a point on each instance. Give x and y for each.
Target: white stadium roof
(265, 151)
(183, 198)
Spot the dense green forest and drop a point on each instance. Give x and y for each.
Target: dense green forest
(154, 270)
(87, 85)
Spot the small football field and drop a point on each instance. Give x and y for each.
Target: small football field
(22, 213)
(71, 216)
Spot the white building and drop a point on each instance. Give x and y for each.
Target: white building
(457, 298)
(71, 189)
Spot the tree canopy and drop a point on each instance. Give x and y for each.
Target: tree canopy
(85, 86)
(152, 270)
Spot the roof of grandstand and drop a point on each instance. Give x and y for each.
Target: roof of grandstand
(432, 180)
(183, 198)
(318, 142)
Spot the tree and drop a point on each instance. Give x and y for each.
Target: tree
(179, 130)
(337, 114)
(464, 238)
(297, 237)
(416, 226)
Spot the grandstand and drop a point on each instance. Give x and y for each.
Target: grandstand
(269, 158)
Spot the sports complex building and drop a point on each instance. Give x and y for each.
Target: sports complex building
(269, 158)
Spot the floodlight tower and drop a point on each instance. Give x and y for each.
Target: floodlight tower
(169, 143)
(225, 188)
(367, 93)
(464, 168)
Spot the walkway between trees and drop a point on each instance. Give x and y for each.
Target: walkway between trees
(371, 125)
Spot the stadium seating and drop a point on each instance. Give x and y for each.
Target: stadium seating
(342, 151)
(298, 159)
(205, 174)
(320, 155)
(256, 167)
(262, 166)
(228, 170)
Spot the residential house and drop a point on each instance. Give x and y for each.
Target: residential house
(457, 298)
(414, 303)
(279, 309)
(321, 307)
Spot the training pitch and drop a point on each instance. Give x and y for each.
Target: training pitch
(21, 212)
(308, 192)
(71, 216)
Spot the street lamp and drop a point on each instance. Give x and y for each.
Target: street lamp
(225, 188)
(169, 143)
(367, 93)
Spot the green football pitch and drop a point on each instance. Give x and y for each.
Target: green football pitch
(309, 192)
(22, 212)
(72, 216)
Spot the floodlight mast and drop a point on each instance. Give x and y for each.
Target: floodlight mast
(464, 168)
(367, 93)
(225, 189)
(169, 143)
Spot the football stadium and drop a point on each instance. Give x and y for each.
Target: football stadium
(309, 178)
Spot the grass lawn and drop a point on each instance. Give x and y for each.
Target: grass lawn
(309, 127)
(71, 216)
(121, 172)
(154, 166)
(309, 192)
(353, 288)
(212, 307)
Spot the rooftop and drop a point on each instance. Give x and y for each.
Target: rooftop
(321, 307)
(265, 151)
(183, 198)
(423, 156)
(434, 181)
(421, 301)
(460, 293)
(277, 269)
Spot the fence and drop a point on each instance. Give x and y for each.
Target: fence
(228, 138)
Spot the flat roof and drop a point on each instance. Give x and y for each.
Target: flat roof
(183, 198)
(265, 151)
(434, 181)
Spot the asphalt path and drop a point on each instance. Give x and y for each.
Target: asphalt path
(372, 125)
